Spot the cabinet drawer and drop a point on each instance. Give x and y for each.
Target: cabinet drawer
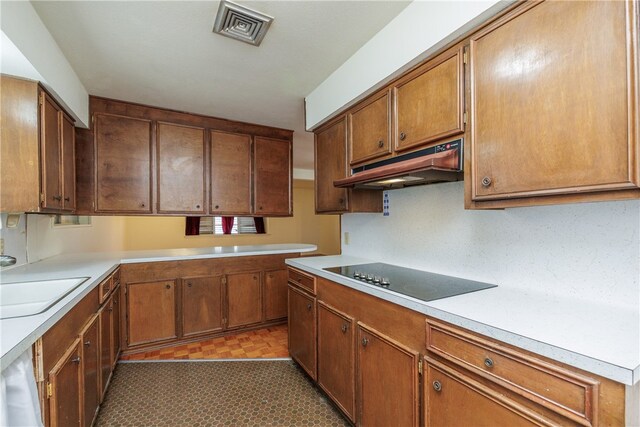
(302, 280)
(564, 392)
(116, 278)
(105, 288)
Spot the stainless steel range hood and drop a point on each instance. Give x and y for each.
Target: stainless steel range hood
(440, 163)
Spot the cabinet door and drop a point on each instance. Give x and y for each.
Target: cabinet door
(369, 130)
(50, 117)
(275, 294)
(115, 341)
(181, 171)
(106, 344)
(272, 176)
(336, 357)
(429, 102)
(68, 164)
(452, 398)
(230, 173)
(331, 164)
(550, 116)
(123, 164)
(202, 306)
(386, 369)
(244, 299)
(302, 330)
(151, 312)
(66, 384)
(90, 338)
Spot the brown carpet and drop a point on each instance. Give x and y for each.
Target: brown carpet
(229, 393)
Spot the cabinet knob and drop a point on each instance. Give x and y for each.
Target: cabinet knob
(217, 206)
(110, 309)
(189, 284)
(380, 144)
(87, 343)
(255, 277)
(197, 206)
(402, 136)
(488, 362)
(341, 201)
(308, 307)
(486, 181)
(76, 359)
(344, 328)
(270, 276)
(365, 341)
(259, 208)
(437, 386)
(168, 286)
(57, 198)
(67, 199)
(142, 205)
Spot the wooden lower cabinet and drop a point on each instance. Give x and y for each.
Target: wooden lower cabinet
(202, 305)
(244, 296)
(336, 357)
(90, 339)
(302, 329)
(151, 311)
(105, 315)
(388, 379)
(66, 385)
(275, 294)
(115, 328)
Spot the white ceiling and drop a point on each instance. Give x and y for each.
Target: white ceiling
(164, 54)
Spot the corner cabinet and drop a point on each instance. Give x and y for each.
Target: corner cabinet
(554, 111)
(37, 167)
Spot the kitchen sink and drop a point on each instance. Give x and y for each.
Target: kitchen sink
(28, 298)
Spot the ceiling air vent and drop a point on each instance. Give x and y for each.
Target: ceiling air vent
(241, 23)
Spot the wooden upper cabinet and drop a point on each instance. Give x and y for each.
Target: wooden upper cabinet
(369, 129)
(202, 305)
(50, 122)
(151, 312)
(554, 101)
(68, 139)
(123, 164)
(230, 173)
(181, 168)
(244, 298)
(429, 102)
(330, 165)
(272, 177)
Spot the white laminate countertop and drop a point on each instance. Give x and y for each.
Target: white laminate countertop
(597, 338)
(18, 334)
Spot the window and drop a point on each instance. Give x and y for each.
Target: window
(241, 225)
(71, 220)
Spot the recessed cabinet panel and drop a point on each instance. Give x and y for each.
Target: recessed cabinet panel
(275, 294)
(550, 100)
(272, 177)
(106, 344)
(89, 339)
(181, 168)
(123, 164)
(244, 296)
(68, 164)
(202, 305)
(116, 328)
(66, 385)
(51, 152)
(230, 173)
(429, 102)
(151, 309)
(331, 164)
(302, 330)
(369, 130)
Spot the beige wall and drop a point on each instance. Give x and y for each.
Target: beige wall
(304, 227)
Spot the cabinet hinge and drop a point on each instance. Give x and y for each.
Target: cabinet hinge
(49, 390)
(224, 280)
(420, 366)
(41, 100)
(465, 57)
(464, 117)
(41, 197)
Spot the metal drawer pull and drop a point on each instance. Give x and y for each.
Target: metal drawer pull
(365, 341)
(486, 181)
(437, 386)
(87, 343)
(402, 136)
(344, 328)
(76, 359)
(380, 144)
(168, 286)
(488, 362)
(309, 307)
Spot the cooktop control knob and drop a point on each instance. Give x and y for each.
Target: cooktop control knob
(385, 282)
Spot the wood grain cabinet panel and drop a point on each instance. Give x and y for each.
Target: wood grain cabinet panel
(302, 329)
(106, 344)
(331, 164)
(68, 163)
(336, 357)
(387, 381)
(275, 294)
(90, 344)
(272, 178)
(244, 297)
(369, 129)
(116, 330)
(123, 159)
(550, 116)
(151, 312)
(181, 169)
(50, 122)
(429, 102)
(230, 173)
(66, 384)
(202, 305)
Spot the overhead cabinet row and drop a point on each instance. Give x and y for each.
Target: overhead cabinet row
(145, 160)
(543, 121)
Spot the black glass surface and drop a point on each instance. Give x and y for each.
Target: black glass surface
(407, 281)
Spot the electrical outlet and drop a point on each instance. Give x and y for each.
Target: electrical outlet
(346, 238)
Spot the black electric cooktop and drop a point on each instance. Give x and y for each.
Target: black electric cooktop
(407, 281)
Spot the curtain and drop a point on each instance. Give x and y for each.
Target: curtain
(259, 223)
(192, 227)
(227, 224)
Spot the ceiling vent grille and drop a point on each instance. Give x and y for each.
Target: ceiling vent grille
(241, 23)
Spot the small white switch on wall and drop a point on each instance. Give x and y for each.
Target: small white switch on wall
(346, 238)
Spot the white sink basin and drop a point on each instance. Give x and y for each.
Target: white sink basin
(28, 298)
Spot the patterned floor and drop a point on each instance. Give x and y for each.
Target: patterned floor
(262, 343)
(215, 393)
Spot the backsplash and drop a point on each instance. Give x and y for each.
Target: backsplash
(15, 239)
(587, 251)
